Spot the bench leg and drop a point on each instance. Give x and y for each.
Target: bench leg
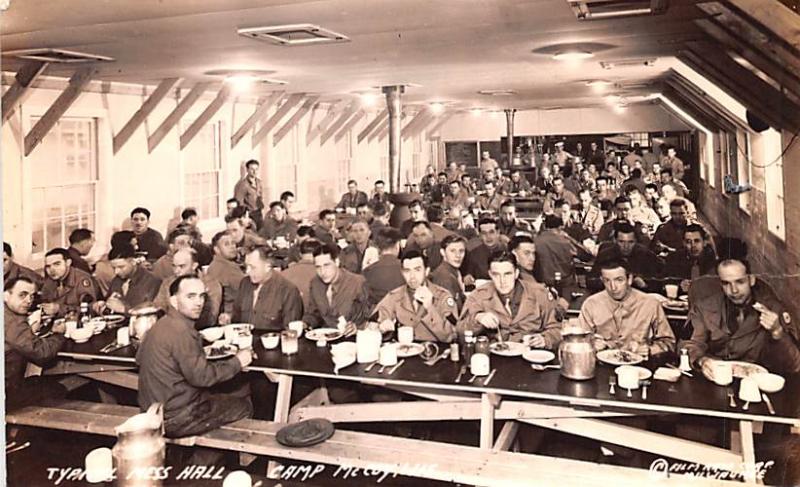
(282, 406)
(488, 403)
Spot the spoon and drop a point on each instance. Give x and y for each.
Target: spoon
(732, 401)
(612, 381)
(370, 366)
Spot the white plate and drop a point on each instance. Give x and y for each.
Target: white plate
(409, 349)
(644, 374)
(746, 369)
(676, 305)
(538, 356)
(328, 334)
(213, 333)
(614, 356)
(227, 351)
(512, 349)
(113, 319)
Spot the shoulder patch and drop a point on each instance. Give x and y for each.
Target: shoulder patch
(786, 318)
(451, 302)
(85, 283)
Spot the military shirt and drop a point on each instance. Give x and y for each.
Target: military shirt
(76, 287)
(23, 346)
(436, 324)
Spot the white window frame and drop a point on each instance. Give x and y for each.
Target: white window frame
(186, 202)
(744, 154)
(774, 183)
(37, 256)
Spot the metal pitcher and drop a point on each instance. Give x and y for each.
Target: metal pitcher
(142, 319)
(140, 450)
(576, 353)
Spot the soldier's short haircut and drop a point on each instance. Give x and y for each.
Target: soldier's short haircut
(486, 220)
(276, 203)
(306, 231)
(415, 203)
(264, 252)
(176, 284)
(218, 236)
(453, 239)
(413, 254)
(80, 235)
(188, 213)
(612, 263)
(7, 249)
(143, 211)
(327, 249)
(180, 231)
(695, 228)
(435, 214)
(286, 195)
(421, 223)
(518, 240)
(623, 227)
(58, 251)
(677, 202)
(379, 209)
(352, 181)
(251, 162)
(308, 246)
(325, 212)
(122, 251)
(502, 256)
(123, 237)
(387, 238)
(14, 280)
(621, 200)
(553, 221)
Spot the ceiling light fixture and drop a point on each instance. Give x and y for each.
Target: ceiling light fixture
(241, 82)
(572, 55)
(369, 99)
(437, 107)
(499, 92)
(476, 111)
(620, 108)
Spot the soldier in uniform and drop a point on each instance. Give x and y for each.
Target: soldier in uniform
(245, 239)
(132, 285)
(448, 274)
(512, 307)
(12, 270)
(248, 192)
(428, 308)
(65, 287)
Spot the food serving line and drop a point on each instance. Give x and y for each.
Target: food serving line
(515, 391)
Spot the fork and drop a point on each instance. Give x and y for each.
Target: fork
(612, 381)
(731, 400)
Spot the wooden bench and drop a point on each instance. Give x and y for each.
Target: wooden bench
(348, 449)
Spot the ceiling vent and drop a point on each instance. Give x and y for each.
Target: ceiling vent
(56, 55)
(293, 35)
(628, 63)
(609, 9)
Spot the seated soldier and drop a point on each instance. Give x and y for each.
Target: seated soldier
(266, 299)
(511, 307)
(508, 224)
(384, 275)
(65, 287)
(184, 263)
(223, 269)
(301, 273)
(13, 270)
(23, 346)
(278, 224)
(149, 241)
(625, 318)
(181, 237)
(335, 293)
(360, 253)
(622, 213)
(132, 286)
(476, 265)
(589, 214)
(555, 254)
(516, 185)
(326, 230)
(448, 274)
(641, 263)
(417, 213)
(352, 198)
(174, 371)
(491, 199)
(458, 196)
(696, 258)
(423, 240)
(244, 238)
(669, 236)
(745, 322)
(428, 308)
(81, 241)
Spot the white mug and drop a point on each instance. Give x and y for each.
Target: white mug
(99, 465)
(723, 373)
(238, 478)
(297, 326)
(479, 364)
(123, 336)
(70, 327)
(388, 354)
(628, 377)
(405, 334)
(672, 291)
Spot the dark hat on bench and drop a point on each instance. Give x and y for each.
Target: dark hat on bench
(305, 433)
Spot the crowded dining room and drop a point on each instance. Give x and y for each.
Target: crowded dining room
(256, 243)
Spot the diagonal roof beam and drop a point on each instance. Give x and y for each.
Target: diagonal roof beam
(349, 125)
(298, 115)
(425, 123)
(420, 117)
(276, 117)
(15, 95)
(208, 113)
(142, 113)
(379, 130)
(67, 97)
(443, 118)
(174, 117)
(385, 129)
(351, 109)
(372, 125)
(258, 114)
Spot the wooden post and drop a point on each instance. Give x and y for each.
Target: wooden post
(67, 97)
(394, 104)
(141, 114)
(282, 408)
(487, 421)
(16, 93)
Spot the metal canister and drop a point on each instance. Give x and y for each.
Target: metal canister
(482, 345)
(140, 450)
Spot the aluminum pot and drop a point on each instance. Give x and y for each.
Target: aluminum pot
(142, 319)
(577, 354)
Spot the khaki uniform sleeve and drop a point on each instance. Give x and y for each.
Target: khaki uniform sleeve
(436, 319)
(662, 339)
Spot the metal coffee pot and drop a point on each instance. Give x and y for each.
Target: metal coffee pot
(576, 352)
(142, 319)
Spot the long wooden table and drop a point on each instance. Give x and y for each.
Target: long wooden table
(516, 394)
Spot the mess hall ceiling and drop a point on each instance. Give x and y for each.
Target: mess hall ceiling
(450, 49)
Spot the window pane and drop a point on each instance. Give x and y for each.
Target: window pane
(53, 235)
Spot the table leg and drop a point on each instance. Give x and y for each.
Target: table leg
(748, 451)
(487, 421)
(282, 406)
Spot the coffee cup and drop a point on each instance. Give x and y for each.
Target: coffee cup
(298, 327)
(405, 335)
(70, 327)
(479, 364)
(723, 373)
(388, 354)
(671, 290)
(628, 377)
(123, 336)
(238, 478)
(270, 340)
(99, 465)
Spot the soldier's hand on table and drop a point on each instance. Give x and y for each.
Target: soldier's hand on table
(386, 325)
(51, 308)
(245, 357)
(685, 285)
(115, 304)
(707, 367)
(224, 319)
(487, 320)
(98, 307)
(535, 341)
(350, 329)
(59, 327)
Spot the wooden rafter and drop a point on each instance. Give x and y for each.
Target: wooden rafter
(420, 117)
(770, 66)
(143, 112)
(700, 98)
(384, 125)
(276, 117)
(15, 95)
(330, 116)
(259, 114)
(697, 112)
(208, 113)
(312, 117)
(423, 125)
(298, 115)
(349, 125)
(385, 130)
(328, 133)
(67, 97)
(372, 125)
(442, 119)
(174, 117)
(775, 17)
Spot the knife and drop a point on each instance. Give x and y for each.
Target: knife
(460, 373)
(444, 354)
(391, 371)
(769, 403)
